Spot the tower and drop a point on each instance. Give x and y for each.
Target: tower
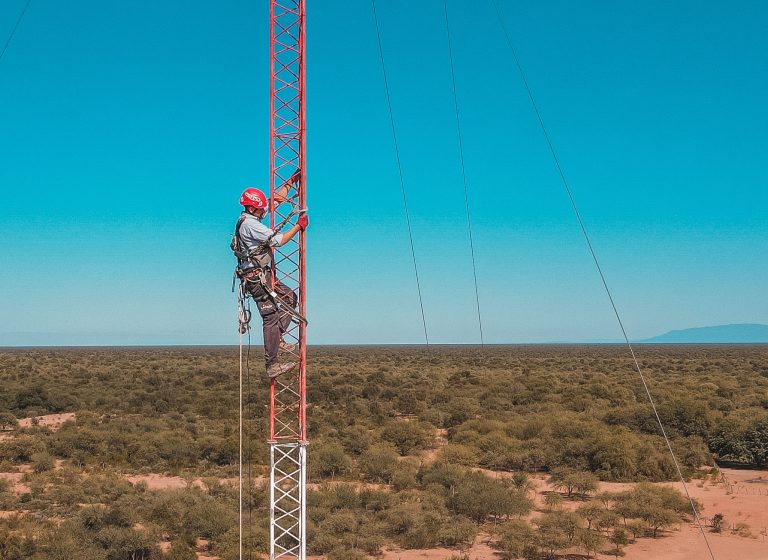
(288, 429)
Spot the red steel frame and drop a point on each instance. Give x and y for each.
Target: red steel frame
(287, 418)
(287, 110)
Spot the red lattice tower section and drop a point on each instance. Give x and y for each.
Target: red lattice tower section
(288, 430)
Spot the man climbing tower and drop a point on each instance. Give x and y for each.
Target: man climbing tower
(252, 244)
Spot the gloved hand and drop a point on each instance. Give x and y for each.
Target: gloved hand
(303, 222)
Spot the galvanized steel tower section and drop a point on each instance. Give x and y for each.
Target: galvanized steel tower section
(288, 428)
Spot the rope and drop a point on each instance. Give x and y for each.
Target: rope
(249, 447)
(400, 170)
(15, 27)
(244, 316)
(600, 271)
(463, 171)
(240, 454)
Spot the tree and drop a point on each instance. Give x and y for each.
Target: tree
(573, 481)
(590, 513)
(456, 454)
(7, 421)
(378, 463)
(477, 496)
(585, 483)
(756, 442)
(686, 416)
(658, 518)
(517, 538)
(606, 520)
(553, 501)
(561, 479)
(727, 441)
(553, 533)
(406, 436)
(590, 541)
(614, 457)
(458, 532)
(522, 482)
(329, 460)
(619, 538)
(180, 550)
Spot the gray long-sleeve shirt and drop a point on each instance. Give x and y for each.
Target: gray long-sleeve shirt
(254, 234)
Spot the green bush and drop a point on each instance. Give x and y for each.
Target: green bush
(378, 463)
(180, 550)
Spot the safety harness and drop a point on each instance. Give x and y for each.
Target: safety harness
(253, 266)
(259, 256)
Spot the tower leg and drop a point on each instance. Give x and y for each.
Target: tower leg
(288, 500)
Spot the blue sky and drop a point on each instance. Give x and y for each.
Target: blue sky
(129, 130)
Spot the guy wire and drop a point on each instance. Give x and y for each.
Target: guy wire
(463, 171)
(600, 271)
(400, 170)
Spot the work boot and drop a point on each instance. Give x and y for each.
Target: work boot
(278, 369)
(287, 347)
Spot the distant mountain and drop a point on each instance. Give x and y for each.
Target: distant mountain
(748, 333)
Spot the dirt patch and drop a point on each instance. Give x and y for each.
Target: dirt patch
(737, 498)
(162, 482)
(51, 421)
(17, 487)
(687, 544)
(358, 485)
(480, 550)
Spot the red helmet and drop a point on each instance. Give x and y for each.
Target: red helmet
(253, 197)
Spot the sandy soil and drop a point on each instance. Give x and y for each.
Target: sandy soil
(17, 487)
(161, 482)
(52, 421)
(480, 550)
(740, 501)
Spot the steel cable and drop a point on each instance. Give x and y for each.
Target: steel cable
(400, 170)
(600, 272)
(463, 171)
(15, 27)
(245, 450)
(249, 445)
(240, 445)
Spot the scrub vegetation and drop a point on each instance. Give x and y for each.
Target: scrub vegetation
(410, 448)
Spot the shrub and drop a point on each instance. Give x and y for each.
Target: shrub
(457, 532)
(718, 520)
(517, 539)
(455, 454)
(329, 460)
(180, 550)
(378, 463)
(8, 421)
(406, 436)
(42, 462)
(477, 496)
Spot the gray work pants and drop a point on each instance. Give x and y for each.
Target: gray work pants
(276, 321)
